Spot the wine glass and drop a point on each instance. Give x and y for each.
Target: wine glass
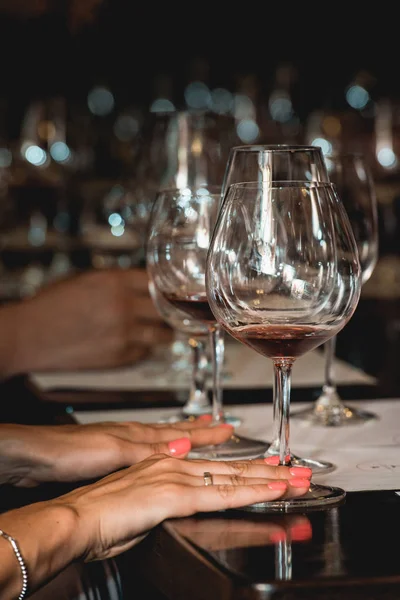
(278, 162)
(180, 231)
(352, 177)
(282, 277)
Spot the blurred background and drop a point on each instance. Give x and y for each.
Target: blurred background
(97, 97)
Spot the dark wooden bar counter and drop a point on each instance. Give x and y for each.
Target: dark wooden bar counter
(348, 551)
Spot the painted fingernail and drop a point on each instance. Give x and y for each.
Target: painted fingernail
(205, 418)
(277, 536)
(298, 482)
(226, 426)
(180, 446)
(300, 472)
(272, 460)
(302, 532)
(277, 485)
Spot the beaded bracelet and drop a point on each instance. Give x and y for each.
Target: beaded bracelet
(24, 571)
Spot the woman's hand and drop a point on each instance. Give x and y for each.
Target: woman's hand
(32, 454)
(94, 320)
(115, 513)
(105, 518)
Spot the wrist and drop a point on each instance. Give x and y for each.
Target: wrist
(47, 536)
(14, 462)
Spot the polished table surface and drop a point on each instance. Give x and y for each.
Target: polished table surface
(349, 551)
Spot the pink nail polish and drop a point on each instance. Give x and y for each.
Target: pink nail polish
(272, 460)
(277, 536)
(277, 485)
(300, 533)
(298, 482)
(180, 446)
(205, 418)
(226, 425)
(300, 472)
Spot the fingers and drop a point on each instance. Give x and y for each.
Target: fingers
(211, 435)
(226, 496)
(175, 446)
(251, 468)
(199, 435)
(224, 477)
(182, 481)
(134, 453)
(201, 421)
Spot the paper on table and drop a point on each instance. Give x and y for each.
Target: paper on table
(244, 368)
(367, 457)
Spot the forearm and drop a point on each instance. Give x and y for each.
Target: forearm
(15, 460)
(48, 539)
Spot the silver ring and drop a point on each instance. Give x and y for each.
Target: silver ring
(208, 478)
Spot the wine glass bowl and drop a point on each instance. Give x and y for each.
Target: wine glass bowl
(283, 276)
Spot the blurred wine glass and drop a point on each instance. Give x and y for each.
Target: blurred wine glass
(276, 288)
(352, 176)
(110, 226)
(35, 220)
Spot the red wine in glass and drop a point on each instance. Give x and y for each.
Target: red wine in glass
(283, 341)
(196, 306)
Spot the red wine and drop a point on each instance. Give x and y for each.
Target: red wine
(282, 341)
(196, 306)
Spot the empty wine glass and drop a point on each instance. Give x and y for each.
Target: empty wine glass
(282, 277)
(352, 177)
(280, 163)
(180, 231)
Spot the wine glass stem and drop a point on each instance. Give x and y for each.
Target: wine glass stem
(217, 344)
(198, 398)
(330, 351)
(281, 409)
(283, 560)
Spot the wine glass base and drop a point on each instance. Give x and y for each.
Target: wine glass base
(185, 416)
(237, 448)
(336, 416)
(317, 466)
(318, 497)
